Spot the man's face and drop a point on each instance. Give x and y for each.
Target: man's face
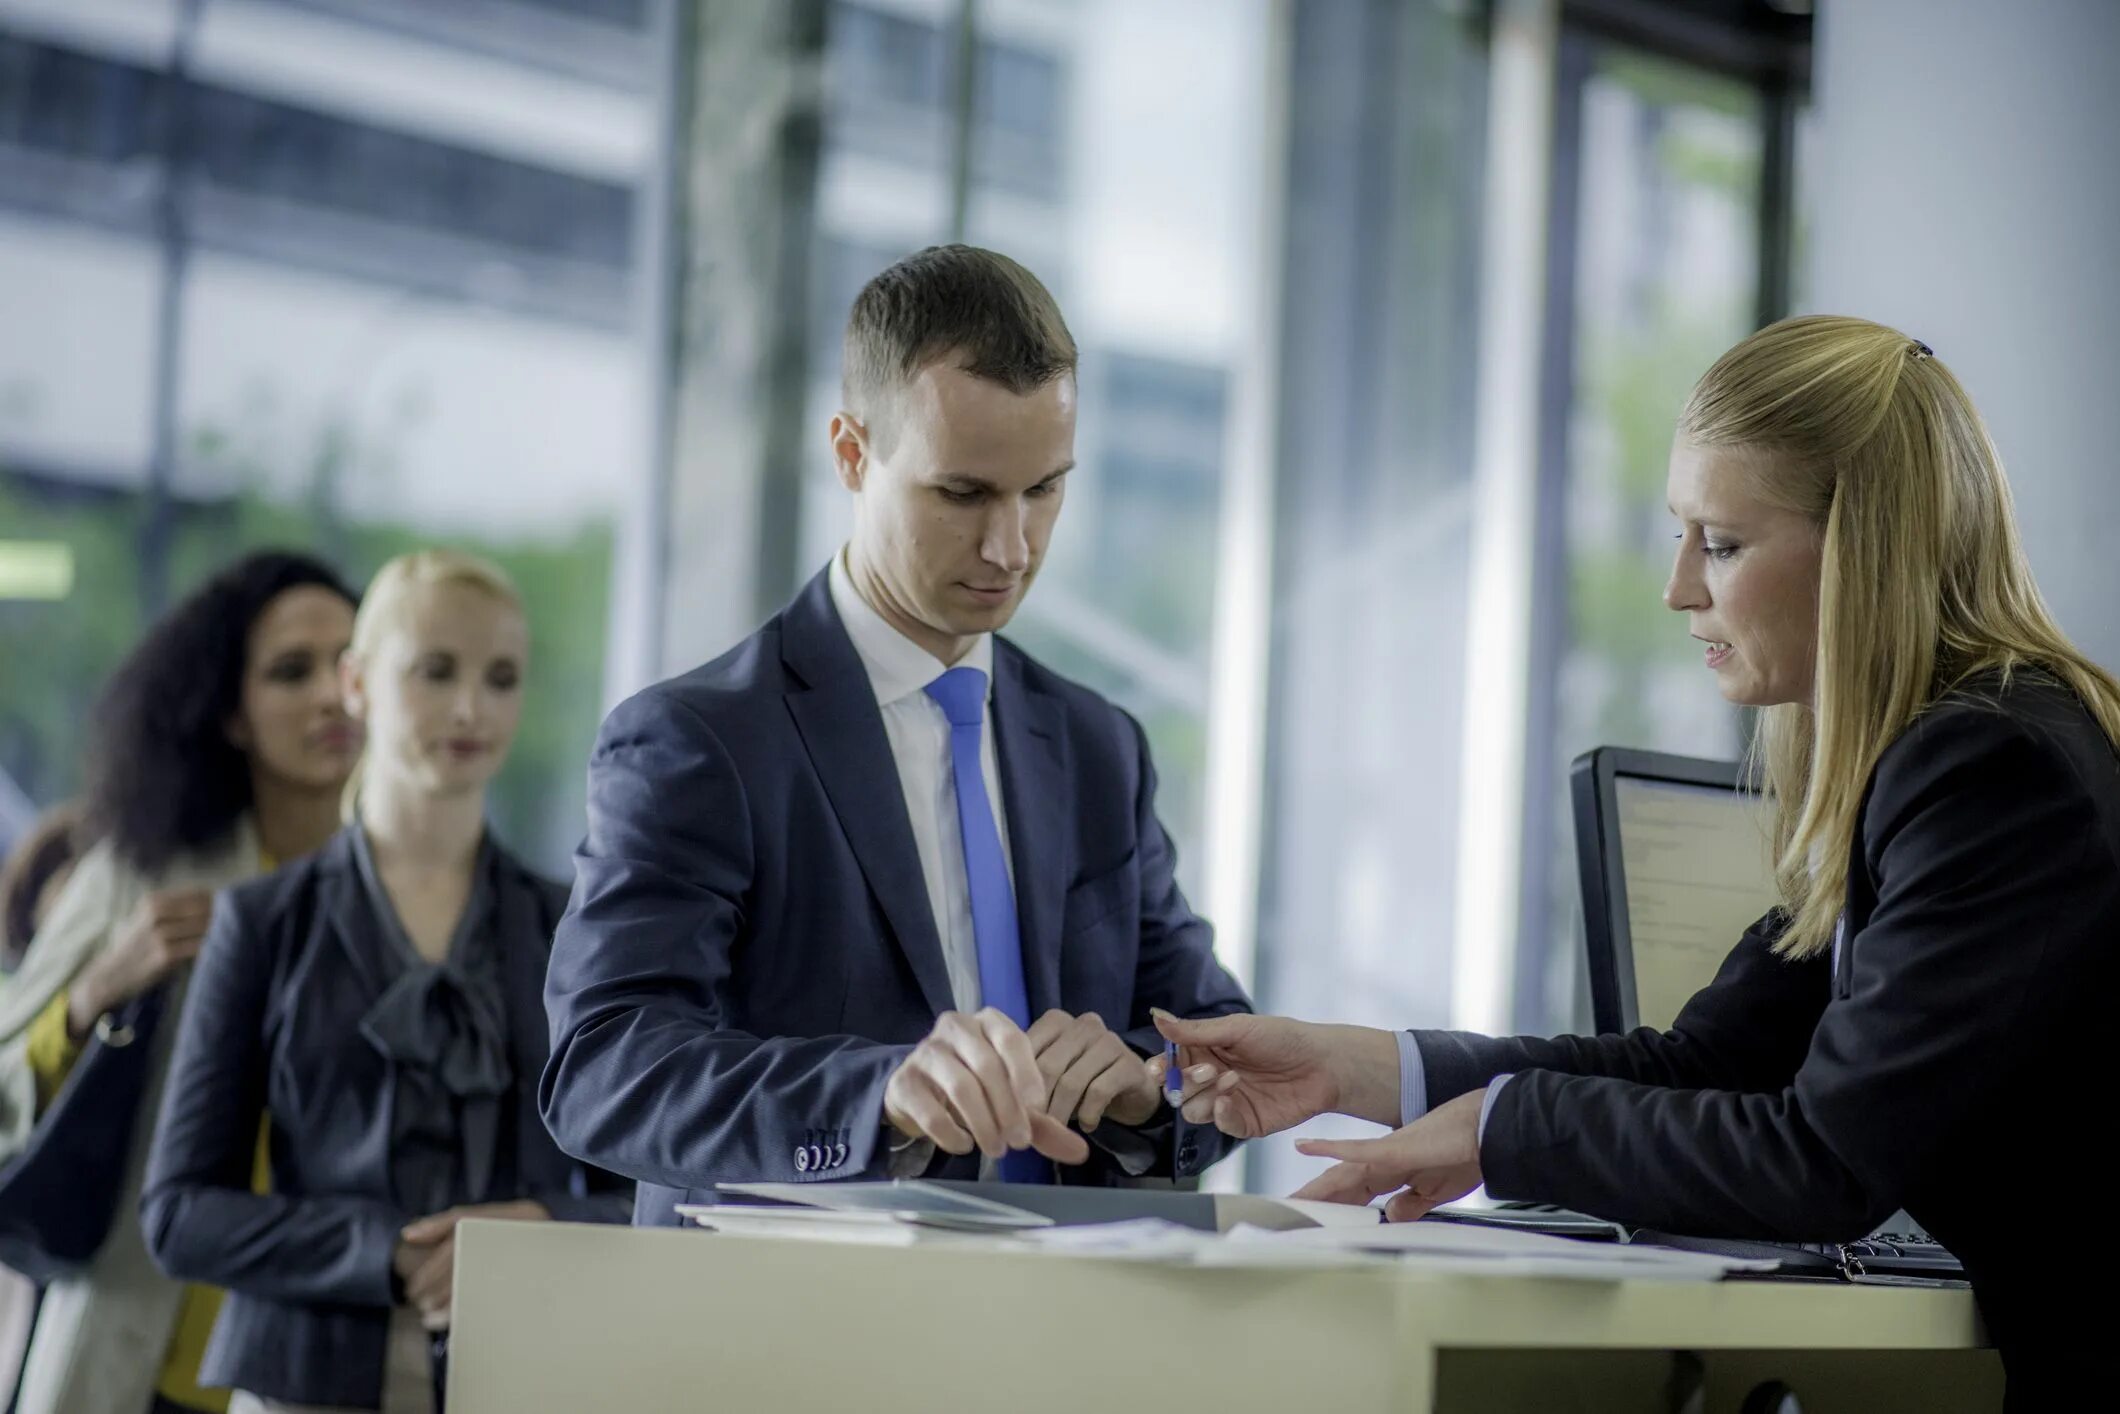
(955, 500)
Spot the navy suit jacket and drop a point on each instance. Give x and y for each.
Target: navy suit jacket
(749, 952)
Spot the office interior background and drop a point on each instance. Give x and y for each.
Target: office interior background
(1386, 308)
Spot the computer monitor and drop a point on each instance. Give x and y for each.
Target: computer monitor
(1675, 865)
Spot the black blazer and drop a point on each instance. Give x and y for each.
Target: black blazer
(1955, 1066)
(271, 1024)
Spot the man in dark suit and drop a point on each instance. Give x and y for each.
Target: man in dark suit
(833, 876)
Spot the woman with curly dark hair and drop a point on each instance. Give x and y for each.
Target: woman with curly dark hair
(219, 751)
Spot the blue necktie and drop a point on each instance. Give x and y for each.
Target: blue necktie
(961, 693)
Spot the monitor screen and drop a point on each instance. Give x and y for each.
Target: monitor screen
(1695, 858)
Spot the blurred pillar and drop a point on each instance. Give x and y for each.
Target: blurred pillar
(745, 196)
(964, 113)
(1524, 42)
(173, 233)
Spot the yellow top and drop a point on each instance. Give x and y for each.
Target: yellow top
(179, 1381)
(52, 1053)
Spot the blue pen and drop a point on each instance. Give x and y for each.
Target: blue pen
(1173, 1082)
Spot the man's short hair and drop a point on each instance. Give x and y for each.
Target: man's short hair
(981, 309)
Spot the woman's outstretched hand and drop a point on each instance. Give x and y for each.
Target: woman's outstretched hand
(1434, 1160)
(1251, 1076)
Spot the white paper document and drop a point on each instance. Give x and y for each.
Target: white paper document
(1259, 1232)
(1141, 1239)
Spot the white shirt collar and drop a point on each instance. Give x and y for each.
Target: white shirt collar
(897, 666)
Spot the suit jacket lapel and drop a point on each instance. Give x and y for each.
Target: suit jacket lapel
(842, 729)
(1031, 742)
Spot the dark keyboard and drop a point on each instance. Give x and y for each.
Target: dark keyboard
(1877, 1258)
(1886, 1254)
(1792, 1259)
(1880, 1257)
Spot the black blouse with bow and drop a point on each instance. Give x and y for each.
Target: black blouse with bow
(441, 1029)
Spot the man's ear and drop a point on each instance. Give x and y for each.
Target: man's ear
(850, 450)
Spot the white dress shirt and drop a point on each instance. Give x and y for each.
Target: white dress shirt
(899, 670)
(919, 733)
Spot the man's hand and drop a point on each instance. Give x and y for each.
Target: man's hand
(1090, 1073)
(1436, 1160)
(163, 933)
(425, 1260)
(974, 1083)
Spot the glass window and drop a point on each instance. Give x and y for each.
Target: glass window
(72, 642)
(1135, 202)
(887, 85)
(887, 58)
(259, 147)
(1145, 229)
(629, 14)
(76, 105)
(1372, 528)
(329, 392)
(1021, 101)
(1666, 277)
(294, 169)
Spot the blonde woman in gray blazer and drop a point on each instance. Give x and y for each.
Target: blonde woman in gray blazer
(221, 746)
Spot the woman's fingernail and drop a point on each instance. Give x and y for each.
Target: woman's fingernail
(1202, 1073)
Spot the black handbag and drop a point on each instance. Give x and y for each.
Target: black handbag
(59, 1195)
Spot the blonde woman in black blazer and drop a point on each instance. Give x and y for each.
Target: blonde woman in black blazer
(1921, 1023)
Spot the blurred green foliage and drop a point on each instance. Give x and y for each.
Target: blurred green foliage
(1633, 377)
(54, 656)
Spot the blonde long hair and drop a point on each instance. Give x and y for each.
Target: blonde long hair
(1924, 579)
(387, 606)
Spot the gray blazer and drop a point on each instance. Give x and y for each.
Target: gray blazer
(273, 1023)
